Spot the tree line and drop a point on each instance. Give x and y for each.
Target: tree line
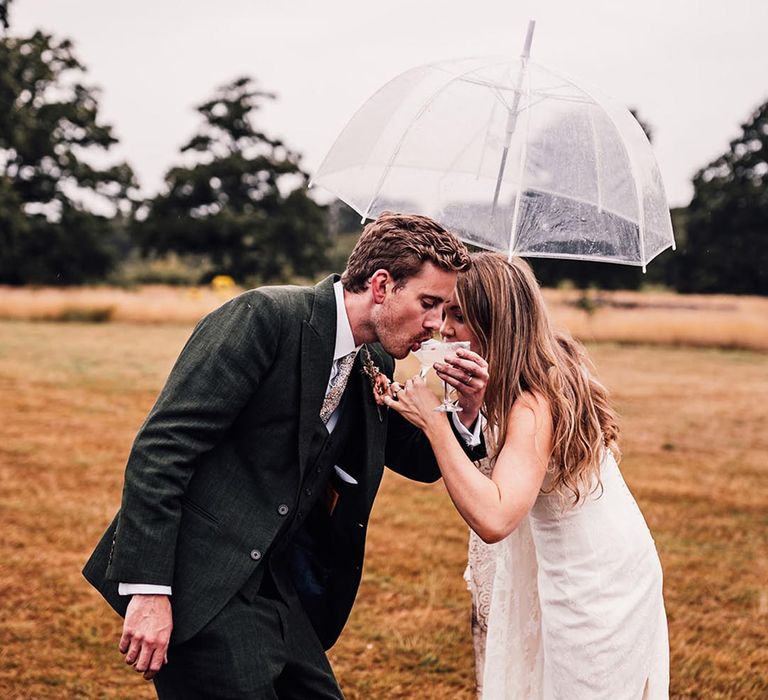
(237, 203)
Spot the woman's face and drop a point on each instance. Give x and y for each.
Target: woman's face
(454, 328)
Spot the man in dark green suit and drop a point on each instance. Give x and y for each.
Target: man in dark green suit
(238, 548)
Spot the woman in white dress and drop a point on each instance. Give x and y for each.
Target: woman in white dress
(566, 581)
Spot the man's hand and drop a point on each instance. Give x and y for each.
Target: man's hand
(467, 373)
(146, 633)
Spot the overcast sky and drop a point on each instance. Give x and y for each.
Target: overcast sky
(695, 69)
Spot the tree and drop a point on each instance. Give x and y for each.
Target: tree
(644, 125)
(4, 6)
(243, 202)
(48, 190)
(726, 244)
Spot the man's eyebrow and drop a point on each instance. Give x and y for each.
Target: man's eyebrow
(433, 297)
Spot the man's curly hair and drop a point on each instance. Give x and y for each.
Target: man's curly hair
(401, 244)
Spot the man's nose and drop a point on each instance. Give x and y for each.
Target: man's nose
(434, 319)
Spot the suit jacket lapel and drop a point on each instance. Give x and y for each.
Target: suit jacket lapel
(318, 338)
(375, 430)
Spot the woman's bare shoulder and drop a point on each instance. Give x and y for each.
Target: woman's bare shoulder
(532, 401)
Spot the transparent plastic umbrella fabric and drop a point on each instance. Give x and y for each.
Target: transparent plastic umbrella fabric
(578, 179)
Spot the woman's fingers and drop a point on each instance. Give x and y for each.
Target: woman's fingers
(469, 356)
(466, 369)
(412, 398)
(462, 377)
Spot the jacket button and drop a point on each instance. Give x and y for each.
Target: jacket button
(308, 492)
(283, 509)
(255, 554)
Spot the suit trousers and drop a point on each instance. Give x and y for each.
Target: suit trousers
(262, 649)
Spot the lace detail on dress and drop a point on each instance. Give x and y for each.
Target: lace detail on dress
(506, 619)
(481, 567)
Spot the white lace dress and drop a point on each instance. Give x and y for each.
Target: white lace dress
(570, 606)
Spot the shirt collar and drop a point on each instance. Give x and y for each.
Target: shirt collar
(345, 341)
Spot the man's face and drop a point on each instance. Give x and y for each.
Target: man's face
(408, 316)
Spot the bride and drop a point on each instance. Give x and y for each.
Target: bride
(566, 582)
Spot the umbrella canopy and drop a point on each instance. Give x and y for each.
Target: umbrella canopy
(508, 155)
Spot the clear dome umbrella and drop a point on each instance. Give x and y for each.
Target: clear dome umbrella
(510, 156)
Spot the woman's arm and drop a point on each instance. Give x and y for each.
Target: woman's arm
(492, 507)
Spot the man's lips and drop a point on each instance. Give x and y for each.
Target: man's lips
(415, 346)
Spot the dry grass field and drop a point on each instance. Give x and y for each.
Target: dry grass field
(72, 396)
(625, 317)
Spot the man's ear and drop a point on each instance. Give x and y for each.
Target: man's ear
(380, 284)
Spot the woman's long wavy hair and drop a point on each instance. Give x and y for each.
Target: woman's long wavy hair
(503, 306)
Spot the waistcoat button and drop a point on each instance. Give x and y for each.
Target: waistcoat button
(255, 554)
(283, 509)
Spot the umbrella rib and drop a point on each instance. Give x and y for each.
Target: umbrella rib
(553, 193)
(405, 133)
(576, 256)
(543, 92)
(597, 162)
(632, 167)
(461, 152)
(485, 143)
(523, 156)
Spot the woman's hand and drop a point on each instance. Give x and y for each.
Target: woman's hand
(467, 373)
(414, 401)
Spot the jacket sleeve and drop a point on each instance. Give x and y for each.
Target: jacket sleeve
(408, 451)
(215, 375)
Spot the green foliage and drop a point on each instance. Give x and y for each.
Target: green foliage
(4, 7)
(48, 234)
(185, 270)
(242, 203)
(726, 245)
(583, 274)
(82, 314)
(644, 125)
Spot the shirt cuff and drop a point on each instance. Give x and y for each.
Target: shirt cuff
(142, 589)
(472, 439)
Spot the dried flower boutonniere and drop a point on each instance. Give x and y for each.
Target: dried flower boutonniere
(379, 381)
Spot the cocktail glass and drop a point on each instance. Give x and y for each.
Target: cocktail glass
(432, 351)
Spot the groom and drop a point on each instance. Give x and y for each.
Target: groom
(241, 533)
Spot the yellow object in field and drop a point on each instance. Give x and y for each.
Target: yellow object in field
(222, 283)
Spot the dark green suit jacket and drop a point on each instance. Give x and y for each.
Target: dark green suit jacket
(217, 466)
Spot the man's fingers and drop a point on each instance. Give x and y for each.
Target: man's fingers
(125, 641)
(146, 633)
(133, 651)
(159, 657)
(145, 656)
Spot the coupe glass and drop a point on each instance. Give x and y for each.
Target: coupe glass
(432, 351)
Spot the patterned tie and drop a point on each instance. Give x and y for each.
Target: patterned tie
(337, 385)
